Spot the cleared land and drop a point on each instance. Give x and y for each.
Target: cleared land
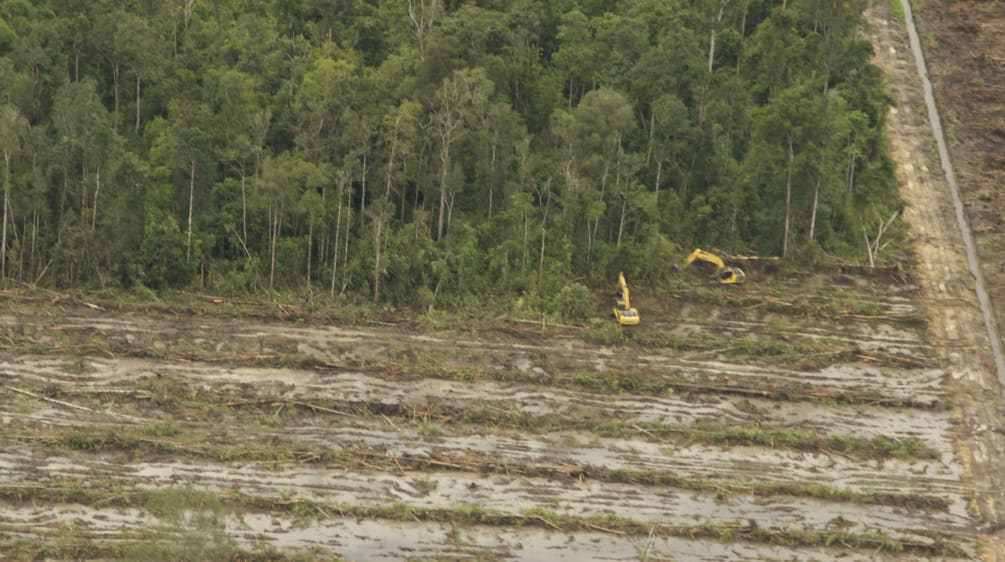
(799, 417)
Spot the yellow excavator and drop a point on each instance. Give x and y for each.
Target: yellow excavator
(624, 313)
(726, 274)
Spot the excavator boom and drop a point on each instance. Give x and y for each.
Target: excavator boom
(726, 274)
(623, 290)
(624, 313)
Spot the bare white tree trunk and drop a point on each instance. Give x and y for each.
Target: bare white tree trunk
(191, 206)
(652, 133)
(275, 228)
(390, 161)
(138, 80)
(345, 242)
(596, 223)
(422, 18)
(115, 88)
(659, 171)
(445, 163)
(310, 246)
(546, 198)
(850, 173)
(97, 189)
(492, 170)
(621, 224)
(872, 247)
(244, 209)
(6, 212)
(813, 214)
(362, 194)
(788, 195)
(338, 233)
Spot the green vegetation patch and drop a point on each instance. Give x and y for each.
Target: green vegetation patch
(190, 526)
(781, 438)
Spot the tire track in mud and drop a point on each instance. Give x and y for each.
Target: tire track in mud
(972, 258)
(492, 492)
(883, 338)
(370, 539)
(379, 394)
(567, 453)
(352, 348)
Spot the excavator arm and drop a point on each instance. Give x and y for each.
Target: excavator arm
(726, 274)
(699, 254)
(623, 311)
(623, 290)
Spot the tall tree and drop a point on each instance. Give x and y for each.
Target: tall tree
(576, 56)
(85, 135)
(13, 129)
(281, 177)
(401, 130)
(131, 46)
(499, 132)
(184, 145)
(601, 123)
(458, 101)
(791, 127)
(381, 211)
(423, 14)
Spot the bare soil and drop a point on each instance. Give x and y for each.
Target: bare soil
(841, 415)
(963, 41)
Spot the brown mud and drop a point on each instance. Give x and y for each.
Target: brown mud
(833, 416)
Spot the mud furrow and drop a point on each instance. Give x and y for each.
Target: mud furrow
(136, 330)
(348, 347)
(734, 464)
(853, 381)
(917, 386)
(370, 391)
(880, 337)
(587, 452)
(369, 539)
(581, 452)
(505, 494)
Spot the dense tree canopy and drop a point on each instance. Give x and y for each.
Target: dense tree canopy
(428, 151)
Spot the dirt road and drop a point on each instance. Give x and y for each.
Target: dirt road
(957, 319)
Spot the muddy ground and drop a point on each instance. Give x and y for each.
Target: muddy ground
(843, 415)
(798, 418)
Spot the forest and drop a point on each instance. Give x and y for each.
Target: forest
(431, 152)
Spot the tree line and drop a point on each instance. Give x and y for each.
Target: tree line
(430, 152)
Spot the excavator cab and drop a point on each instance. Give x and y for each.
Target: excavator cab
(727, 275)
(624, 313)
(732, 275)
